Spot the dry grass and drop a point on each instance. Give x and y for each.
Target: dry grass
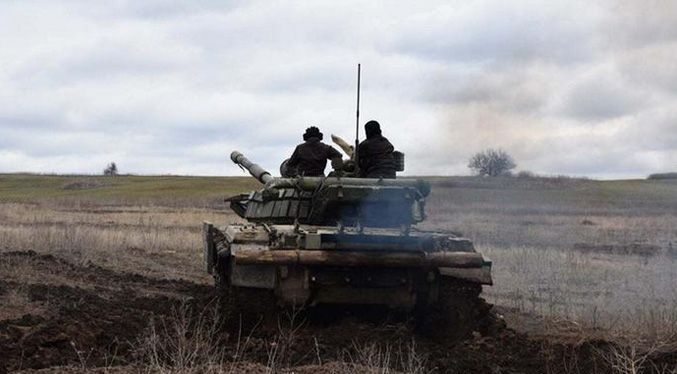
(150, 240)
(375, 358)
(616, 293)
(186, 343)
(190, 341)
(529, 227)
(599, 254)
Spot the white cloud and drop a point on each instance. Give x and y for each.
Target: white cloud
(581, 87)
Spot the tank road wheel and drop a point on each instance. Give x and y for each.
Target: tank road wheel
(458, 312)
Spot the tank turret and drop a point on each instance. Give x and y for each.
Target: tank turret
(332, 200)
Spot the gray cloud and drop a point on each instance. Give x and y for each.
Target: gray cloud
(166, 87)
(608, 114)
(635, 24)
(499, 32)
(600, 94)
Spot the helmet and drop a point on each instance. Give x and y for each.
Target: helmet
(312, 132)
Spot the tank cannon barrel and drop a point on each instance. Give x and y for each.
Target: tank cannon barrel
(255, 170)
(311, 183)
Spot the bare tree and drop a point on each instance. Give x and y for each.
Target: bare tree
(491, 162)
(111, 169)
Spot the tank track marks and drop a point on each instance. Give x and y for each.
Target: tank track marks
(459, 313)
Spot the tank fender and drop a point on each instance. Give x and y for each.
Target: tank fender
(480, 275)
(251, 275)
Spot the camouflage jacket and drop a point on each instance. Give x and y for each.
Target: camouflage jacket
(310, 158)
(376, 159)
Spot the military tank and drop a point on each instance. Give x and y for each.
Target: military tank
(311, 241)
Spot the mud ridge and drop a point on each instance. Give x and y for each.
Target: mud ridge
(101, 323)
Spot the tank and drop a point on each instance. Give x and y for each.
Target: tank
(310, 241)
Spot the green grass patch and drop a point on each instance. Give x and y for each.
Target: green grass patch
(119, 189)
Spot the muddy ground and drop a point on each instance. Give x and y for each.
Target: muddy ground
(83, 317)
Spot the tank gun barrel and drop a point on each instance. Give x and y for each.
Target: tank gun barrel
(255, 170)
(311, 183)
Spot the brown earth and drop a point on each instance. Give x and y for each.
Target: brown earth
(87, 317)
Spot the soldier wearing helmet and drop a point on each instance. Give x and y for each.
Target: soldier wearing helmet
(375, 154)
(310, 157)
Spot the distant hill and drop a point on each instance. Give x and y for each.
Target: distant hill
(122, 189)
(185, 191)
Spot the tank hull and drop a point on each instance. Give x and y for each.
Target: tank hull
(328, 265)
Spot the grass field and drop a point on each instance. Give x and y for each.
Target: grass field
(600, 255)
(121, 190)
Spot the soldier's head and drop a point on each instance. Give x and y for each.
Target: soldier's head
(372, 128)
(312, 132)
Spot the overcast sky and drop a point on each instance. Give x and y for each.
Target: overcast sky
(586, 88)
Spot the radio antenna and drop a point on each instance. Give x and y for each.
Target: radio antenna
(357, 119)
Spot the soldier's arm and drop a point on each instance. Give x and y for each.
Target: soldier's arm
(390, 148)
(335, 157)
(332, 153)
(363, 157)
(294, 159)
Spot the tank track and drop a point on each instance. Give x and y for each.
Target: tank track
(458, 313)
(242, 308)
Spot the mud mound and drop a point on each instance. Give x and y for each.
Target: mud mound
(97, 321)
(95, 276)
(98, 318)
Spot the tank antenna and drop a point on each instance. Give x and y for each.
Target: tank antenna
(357, 121)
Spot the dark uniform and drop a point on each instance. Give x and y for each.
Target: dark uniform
(310, 158)
(375, 154)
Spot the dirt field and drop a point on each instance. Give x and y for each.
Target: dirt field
(105, 275)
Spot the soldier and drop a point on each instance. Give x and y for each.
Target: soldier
(375, 154)
(310, 158)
